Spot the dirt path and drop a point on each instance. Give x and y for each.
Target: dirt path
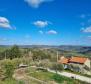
(20, 75)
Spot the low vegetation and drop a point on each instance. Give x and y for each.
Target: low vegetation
(12, 57)
(47, 76)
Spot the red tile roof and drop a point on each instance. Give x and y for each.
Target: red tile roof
(78, 59)
(64, 61)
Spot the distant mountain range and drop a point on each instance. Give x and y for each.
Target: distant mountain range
(75, 48)
(86, 50)
(61, 47)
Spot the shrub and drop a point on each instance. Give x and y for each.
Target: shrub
(8, 68)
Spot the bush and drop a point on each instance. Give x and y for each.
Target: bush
(9, 69)
(57, 67)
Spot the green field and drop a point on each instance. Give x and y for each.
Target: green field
(11, 81)
(47, 76)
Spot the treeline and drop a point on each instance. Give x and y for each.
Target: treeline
(10, 53)
(34, 53)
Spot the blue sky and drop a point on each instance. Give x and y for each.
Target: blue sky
(45, 22)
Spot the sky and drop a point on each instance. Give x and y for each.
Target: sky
(45, 22)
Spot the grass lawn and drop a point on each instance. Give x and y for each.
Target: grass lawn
(78, 73)
(47, 76)
(11, 81)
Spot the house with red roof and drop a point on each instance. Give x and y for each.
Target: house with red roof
(77, 63)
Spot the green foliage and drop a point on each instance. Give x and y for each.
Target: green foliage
(9, 69)
(39, 55)
(1, 74)
(45, 63)
(57, 78)
(60, 67)
(40, 74)
(48, 76)
(10, 53)
(57, 67)
(11, 81)
(15, 52)
(65, 80)
(16, 62)
(21, 82)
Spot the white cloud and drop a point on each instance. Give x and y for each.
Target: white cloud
(4, 23)
(41, 24)
(52, 32)
(36, 3)
(86, 30)
(41, 32)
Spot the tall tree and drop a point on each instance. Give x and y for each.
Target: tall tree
(57, 67)
(15, 52)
